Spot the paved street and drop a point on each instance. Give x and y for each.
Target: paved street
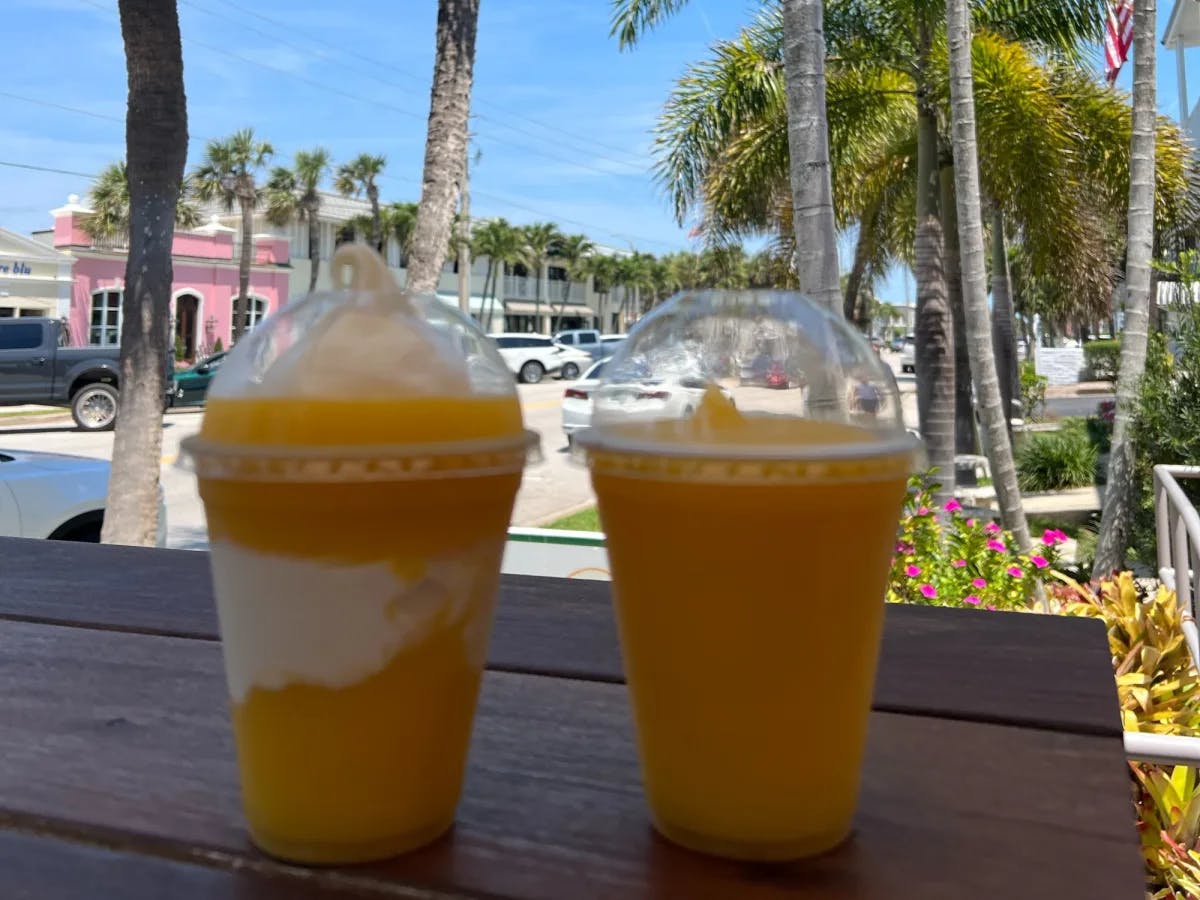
(550, 489)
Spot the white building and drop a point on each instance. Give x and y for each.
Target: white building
(516, 296)
(1183, 34)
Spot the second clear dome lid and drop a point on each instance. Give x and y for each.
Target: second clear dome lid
(767, 353)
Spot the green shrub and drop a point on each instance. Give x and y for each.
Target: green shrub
(180, 350)
(218, 347)
(1103, 359)
(1056, 460)
(1033, 391)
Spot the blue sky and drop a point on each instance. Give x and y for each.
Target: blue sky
(562, 118)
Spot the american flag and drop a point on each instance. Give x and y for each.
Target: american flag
(1118, 37)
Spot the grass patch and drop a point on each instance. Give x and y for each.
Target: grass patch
(584, 520)
(30, 413)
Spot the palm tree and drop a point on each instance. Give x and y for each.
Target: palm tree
(109, 200)
(156, 150)
(571, 250)
(357, 178)
(399, 220)
(1118, 498)
(295, 194)
(540, 238)
(974, 281)
(602, 269)
(503, 245)
(227, 174)
(445, 140)
(811, 195)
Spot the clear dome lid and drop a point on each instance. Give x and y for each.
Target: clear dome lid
(333, 373)
(699, 366)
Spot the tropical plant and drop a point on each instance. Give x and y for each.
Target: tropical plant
(446, 140)
(802, 107)
(109, 202)
(156, 152)
(294, 194)
(1103, 359)
(1033, 391)
(1057, 460)
(228, 174)
(539, 240)
(571, 251)
(503, 245)
(399, 221)
(1117, 514)
(945, 558)
(359, 178)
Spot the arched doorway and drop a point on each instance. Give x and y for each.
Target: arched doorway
(187, 311)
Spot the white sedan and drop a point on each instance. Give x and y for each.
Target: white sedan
(645, 400)
(48, 495)
(532, 356)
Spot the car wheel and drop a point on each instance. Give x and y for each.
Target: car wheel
(94, 407)
(570, 371)
(532, 372)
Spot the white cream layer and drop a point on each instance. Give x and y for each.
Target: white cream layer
(287, 621)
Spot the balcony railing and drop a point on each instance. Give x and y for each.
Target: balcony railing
(519, 287)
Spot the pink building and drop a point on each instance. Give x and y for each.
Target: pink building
(206, 282)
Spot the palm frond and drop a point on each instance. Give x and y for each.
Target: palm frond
(633, 18)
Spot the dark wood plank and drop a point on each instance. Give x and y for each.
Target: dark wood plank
(38, 867)
(123, 739)
(966, 664)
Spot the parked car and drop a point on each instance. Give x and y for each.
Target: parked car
(610, 344)
(532, 356)
(908, 355)
(645, 399)
(49, 495)
(37, 366)
(190, 386)
(586, 339)
(577, 401)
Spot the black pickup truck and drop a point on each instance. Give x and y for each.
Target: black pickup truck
(36, 366)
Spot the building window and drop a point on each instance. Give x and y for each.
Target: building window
(556, 273)
(106, 319)
(256, 311)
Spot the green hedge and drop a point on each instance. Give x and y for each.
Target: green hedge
(1103, 359)
(1057, 460)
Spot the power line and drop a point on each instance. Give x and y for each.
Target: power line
(588, 141)
(92, 176)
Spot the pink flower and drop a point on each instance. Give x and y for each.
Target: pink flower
(991, 607)
(996, 545)
(912, 571)
(1060, 537)
(902, 547)
(1015, 571)
(952, 505)
(972, 599)
(1052, 536)
(923, 511)
(959, 564)
(1039, 561)
(979, 583)
(970, 523)
(991, 528)
(928, 591)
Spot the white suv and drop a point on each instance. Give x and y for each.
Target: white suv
(532, 356)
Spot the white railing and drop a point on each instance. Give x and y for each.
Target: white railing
(1178, 539)
(519, 287)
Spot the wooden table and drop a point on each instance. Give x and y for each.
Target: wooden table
(995, 766)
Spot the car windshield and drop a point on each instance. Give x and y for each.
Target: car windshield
(596, 371)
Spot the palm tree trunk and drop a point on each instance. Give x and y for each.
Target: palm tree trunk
(934, 352)
(377, 219)
(314, 249)
(445, 140)
(537, 299)
(808, 145)
(241, 304)
(970, 217)
(1004, 335)
(1119, 496)
(488, 276)
(965, 437)
(155, 152)
(854, 278)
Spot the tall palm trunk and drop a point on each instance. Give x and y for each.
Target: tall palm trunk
(934, 351)
(314, 247)
(1004, 336)
(445, 140)
(489, 275)
(241, 304)
(1118, 498)
(965, 438)
(155, 151)
(970, 218)
(808, 146)
(377, 218)
(851, 306)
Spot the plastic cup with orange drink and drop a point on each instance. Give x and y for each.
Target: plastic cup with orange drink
(750, 512)
(358, 462)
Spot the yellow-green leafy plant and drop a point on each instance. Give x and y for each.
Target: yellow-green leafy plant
(1168, 810)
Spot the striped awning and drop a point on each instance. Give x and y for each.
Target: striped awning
(525, 308)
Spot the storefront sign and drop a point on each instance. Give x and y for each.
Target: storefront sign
(15, 268)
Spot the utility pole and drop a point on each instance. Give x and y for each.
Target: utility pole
(464, 236)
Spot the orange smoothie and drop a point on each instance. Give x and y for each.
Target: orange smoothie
(749, 595)
(355, 616)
